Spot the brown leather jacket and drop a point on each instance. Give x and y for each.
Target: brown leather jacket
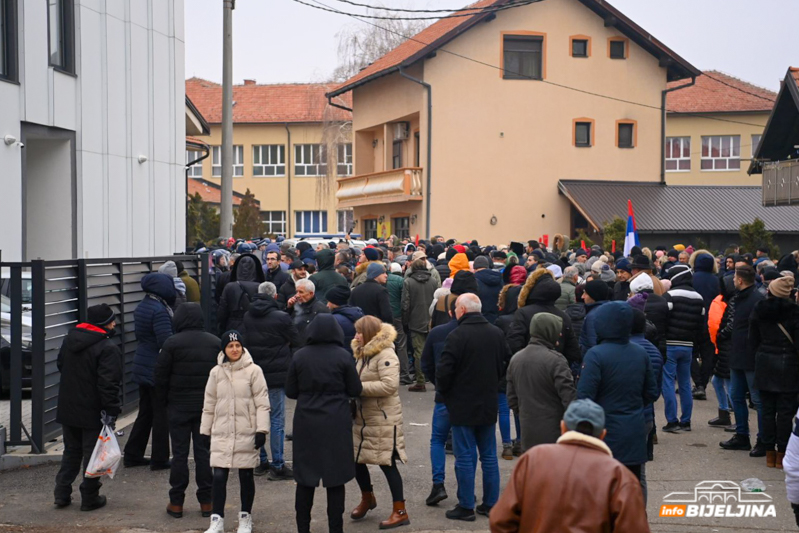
(574, 485)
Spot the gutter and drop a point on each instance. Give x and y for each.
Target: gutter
(330, 102)
(663, 127)
(429, 144)
(288, 179)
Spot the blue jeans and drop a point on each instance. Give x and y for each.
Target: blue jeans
(504, 420)
(464, 441)
(438, 437)
(678, 365)
(277, 403)
(722, 388)
(740, 381)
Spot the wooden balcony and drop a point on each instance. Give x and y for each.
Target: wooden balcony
(781, 183)
(398, 185)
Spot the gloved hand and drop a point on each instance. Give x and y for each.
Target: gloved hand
(260, 440)
(108, 420)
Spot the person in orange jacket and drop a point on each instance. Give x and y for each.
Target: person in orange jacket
(717, 318)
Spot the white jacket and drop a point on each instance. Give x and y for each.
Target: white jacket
(790, 464)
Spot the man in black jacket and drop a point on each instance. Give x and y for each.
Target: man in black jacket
(288, 290)
(467, 377)
(247, 274)
(273, 272)
(91, 383)
(304, 306)
(181, 372)
(742, 361)
(372, 296)
(272, 338)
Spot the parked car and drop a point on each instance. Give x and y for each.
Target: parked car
(27, 284)
(5, 347)
(314, 241)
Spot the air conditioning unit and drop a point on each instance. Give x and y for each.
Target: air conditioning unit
(402, 131)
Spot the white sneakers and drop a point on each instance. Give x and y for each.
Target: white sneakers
(245, 523)
(217, 524)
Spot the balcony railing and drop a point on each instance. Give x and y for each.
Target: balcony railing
(781, 183)
(398, 185)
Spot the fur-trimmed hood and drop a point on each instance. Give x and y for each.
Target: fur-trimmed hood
(384, 339)
(361, 268)
(536, 289)
(705, 265)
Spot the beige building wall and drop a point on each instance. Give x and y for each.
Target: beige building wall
(500, 146)
(307, 193)
(741, 124)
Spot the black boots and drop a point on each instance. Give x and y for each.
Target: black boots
(721, 421)
(737, 442)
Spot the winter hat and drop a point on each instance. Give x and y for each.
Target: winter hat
(635, 250)
(641, 262)
(781, 287)
(447, 284)
(666, 284)
(481, 262)
(371, 254)
(374, 270)
(579, 253)
(639, 320)
(460, 249)
(770, 274)
(230, 336)
(640, 283)
(463, 282)
(338, 295)
(607, 275)
(100, 315)
(518, 275)
(169, 268)
(418, 255)
(457, 263)
(442, 256)
(372, 242)
(673, 253)
(556, 271)
(659, 253)
(597, 289)
(396, 268)
(638, 301)
(597, 266)
(679, 247)
(623, 264)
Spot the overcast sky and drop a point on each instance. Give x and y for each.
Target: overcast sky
(279, 41)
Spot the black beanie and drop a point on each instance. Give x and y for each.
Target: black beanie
(463, 282)
(597, 289)
(230, 336)
(100, 315)
(338, 295)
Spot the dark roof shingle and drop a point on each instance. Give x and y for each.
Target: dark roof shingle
(716, 92)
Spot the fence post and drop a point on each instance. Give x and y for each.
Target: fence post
(206, 294)
(16, 355)
(83, 291)
(37, 355)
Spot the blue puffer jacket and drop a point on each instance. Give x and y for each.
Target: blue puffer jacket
(489, 285)
(657, 369)
(588, 337)
(346, 316)
(153, 325)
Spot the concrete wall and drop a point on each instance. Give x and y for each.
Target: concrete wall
(126, 100)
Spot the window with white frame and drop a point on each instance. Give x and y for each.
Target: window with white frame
(238, 161)
(346, 220)
(274, 222)
(344, 159)
(721, 152)
(269, 160)
(678, 154)
(756, 143)
(310, 160)
(310, 222)
(195, 169)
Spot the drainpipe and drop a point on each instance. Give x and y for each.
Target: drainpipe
(288, 179)
(429, 143)
(330, 102)
(663, 127)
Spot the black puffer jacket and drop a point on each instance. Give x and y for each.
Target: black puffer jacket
(373, 300)
(91, 377)
(185, 361)
(776, 359)
(656, 310)
(247, 274)
(271, 338)
(742, 356)
(686, 309)
(508, 304)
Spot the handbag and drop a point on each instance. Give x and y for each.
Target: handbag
(785, 331)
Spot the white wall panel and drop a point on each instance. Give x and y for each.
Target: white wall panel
(160, 10)
(36, 60)
(96, 5)
(141, 208)
(118, 215)
(161, 83)
(65, 114)
(91, 80)
(139, 12)
(162, 207)
(178, 21)
(117, 9)
(10, 169)
(116, 67)
(93, 207)
(140, 91)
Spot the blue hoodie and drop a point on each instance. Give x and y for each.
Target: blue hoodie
(489, 285)
(346, 316)
(705, 282)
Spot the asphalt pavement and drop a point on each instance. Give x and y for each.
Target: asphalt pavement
(137, 497)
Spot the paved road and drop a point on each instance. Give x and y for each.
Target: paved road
(137, 497)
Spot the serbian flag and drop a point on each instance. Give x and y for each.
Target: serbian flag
(632, 231)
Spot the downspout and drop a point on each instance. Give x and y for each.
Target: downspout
(288, 179)
(429, 143)
(663, 127)
(207, 151)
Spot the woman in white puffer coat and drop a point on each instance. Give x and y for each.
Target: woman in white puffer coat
(236, 417)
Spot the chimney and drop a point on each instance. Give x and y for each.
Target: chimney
(249, 82)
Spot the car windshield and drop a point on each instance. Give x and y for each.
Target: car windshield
(5, 304)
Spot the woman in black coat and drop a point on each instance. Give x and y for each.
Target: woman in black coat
(322, 378)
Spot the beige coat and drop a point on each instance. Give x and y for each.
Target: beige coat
(236, 408)
(377, 429)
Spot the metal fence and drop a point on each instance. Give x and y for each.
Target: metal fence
(61, 293)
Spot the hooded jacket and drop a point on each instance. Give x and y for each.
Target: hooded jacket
(91, 377)
(417, 295)
(346, 316)
(742, 353)
(686, 309)
(271, 338)
(776, 358)
(540, 384)
(185, 361)
(705, 277)
(395, 285)
(377, 430)
(433, 348)
(360, 273)
(192, 287)
(372, 298)
(489, 285)
(326, 276)
(457, 263)
(245, 277)
(617, 374)
(236, 407)
(302, 314)
(656, 358)
(153, 325)
(567, 294)
(322, 378)
(588, 336)
(538, 295)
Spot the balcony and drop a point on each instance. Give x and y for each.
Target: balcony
(781, 183)
(398, 185)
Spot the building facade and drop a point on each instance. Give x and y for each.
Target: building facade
(92, 112)
(289, 146)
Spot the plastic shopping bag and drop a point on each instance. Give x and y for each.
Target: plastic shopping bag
(106, 455)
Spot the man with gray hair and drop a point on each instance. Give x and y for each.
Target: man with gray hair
(568, 284)
(272, 339)
(467, 377)
(304, 306)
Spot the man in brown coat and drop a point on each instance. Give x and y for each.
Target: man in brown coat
(574, 485)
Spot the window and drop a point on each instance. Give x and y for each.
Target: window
(402, 227)
(274, 222)
(344, 159)
(678, 154)
(370, 228)
(60, 19)
(579, 47)
(311, 222)
(396, 157)
(755, 143)
(238, 161)
(346, 220)
(8, 40)
(310, 160)
(269, 160)
(721, 152)
(617, 48)
(195, 169)
(582, 135)
(626, 134)
(523, 57)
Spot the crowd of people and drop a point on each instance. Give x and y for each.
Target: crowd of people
(565, 350)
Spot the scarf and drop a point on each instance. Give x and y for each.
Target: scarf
(162, 301)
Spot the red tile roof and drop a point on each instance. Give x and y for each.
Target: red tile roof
(263, 104)
(211, 192)
(716, 92)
